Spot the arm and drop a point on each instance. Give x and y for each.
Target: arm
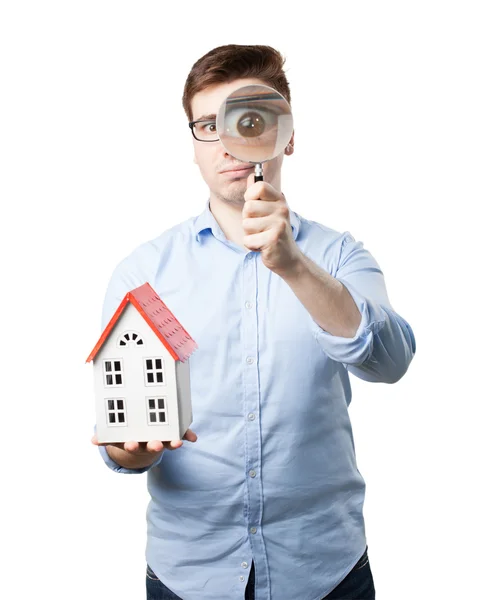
(353, 320)
(326, 299)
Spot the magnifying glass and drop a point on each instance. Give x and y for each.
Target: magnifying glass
(254, 124)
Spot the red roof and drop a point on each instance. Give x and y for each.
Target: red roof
(163, 323)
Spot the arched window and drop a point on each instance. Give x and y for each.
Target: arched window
(130, 337)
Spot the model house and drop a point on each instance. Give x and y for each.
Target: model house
(141, 372)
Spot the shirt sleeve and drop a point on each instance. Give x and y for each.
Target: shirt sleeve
(384, 344)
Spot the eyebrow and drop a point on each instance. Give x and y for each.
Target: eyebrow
(211, 117)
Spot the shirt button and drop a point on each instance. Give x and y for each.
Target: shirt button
(253, 529)
(250, 360)
(251, 417)
(252, 473)
(241, 577)
(244, 565)
(248, 305)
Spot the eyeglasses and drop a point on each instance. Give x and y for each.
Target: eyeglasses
(204, 130)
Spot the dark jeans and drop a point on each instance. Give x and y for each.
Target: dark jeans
(357, 585)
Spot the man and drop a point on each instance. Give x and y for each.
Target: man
(267, 503)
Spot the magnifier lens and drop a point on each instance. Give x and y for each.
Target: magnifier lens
(254, 123)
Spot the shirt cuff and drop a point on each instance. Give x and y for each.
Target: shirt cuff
(355, 350)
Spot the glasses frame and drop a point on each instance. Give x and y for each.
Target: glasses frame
(192, 124)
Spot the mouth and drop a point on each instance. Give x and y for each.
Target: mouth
(239, 172)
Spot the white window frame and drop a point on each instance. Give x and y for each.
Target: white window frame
(116, 411)
(154, 370)
(113, 372)
(156, 410)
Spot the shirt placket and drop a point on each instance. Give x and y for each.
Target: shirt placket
(252, 417)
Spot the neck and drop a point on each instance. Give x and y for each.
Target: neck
(229, 216)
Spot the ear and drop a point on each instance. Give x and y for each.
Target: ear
(290, 147)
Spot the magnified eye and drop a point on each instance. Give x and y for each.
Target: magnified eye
(250, 123)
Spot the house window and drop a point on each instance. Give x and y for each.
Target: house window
(130, 337)
(154, 374)
(113, 372)
(115, 412)
(156, 409)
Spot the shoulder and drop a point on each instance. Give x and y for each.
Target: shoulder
(322, 242)
(151, 251)
(145, 260)
(143, 264)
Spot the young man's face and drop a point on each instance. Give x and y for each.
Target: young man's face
(213, 159)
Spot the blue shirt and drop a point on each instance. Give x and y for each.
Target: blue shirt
(273, 476)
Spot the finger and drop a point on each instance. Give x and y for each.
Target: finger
(258, 208)
(255, 191)
(261, 190)
(190, 436)
(257, 224)
(155, 446)
(132, 447)
(173, 445)
(257, 241)
(94, 440)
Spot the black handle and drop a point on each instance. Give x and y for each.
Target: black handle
(258, 178)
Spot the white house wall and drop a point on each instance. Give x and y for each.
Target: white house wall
(133, 390)
(185, 416)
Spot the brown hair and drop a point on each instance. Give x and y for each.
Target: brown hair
(227, 63)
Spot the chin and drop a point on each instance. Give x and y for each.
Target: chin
(233, 196)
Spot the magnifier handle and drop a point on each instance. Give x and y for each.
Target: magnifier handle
(258, 172)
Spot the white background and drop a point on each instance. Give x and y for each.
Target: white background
(96, 158)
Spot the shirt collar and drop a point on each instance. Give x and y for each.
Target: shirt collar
(206, 220)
